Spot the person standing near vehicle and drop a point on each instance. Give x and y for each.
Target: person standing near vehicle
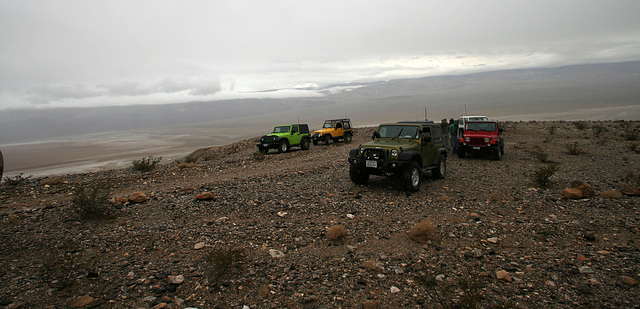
(453, 131)
(445, 133)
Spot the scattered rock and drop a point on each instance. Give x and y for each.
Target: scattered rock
(586, 270)
(199, 245)
(276, 253)
(204, 196)
(371, 304)
(179, 279)
(572, 193)
(628, 189)
(82, 301)
(137, 197)
(394, 290)
(611, 194)
(629, 281)
(503, 275)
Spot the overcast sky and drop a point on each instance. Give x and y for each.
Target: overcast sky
(90, 53)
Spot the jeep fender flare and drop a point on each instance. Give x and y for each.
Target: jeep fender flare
(410, 155)
(353, 153)
(439, 154)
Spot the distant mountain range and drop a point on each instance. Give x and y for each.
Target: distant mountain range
(498, 93)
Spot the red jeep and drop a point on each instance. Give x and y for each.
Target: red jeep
(481, 136)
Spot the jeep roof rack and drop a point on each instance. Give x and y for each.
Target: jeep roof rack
(417, 121)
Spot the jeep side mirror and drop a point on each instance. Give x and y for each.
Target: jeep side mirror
(426, 137)
(375, 134)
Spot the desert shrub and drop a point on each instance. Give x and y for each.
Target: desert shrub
(542, 176)
(630, 135)
(222, 259)
(423, 231)
(52, 181)
(146, 164)
(573, 149)
(336, 232)
(541, 155)
(551, 130)
(259, 156)
(634, 147)
(91, 203)
(57, 267)
(597, 130)
(16, 180)
(580, 125)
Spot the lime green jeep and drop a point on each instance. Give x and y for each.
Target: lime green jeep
(283, 137)
(404, 149)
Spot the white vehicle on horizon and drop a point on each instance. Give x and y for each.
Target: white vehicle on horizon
(463, 120)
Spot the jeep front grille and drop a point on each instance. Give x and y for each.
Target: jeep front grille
(268, 139)
(477, 141)
(374, 154)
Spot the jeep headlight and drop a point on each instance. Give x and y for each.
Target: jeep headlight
(394, 152)
(467, 139)
(361, 150)
(486, 140)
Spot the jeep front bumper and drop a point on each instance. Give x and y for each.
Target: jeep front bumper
(375, 162)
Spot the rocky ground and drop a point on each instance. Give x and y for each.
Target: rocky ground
(268, 234)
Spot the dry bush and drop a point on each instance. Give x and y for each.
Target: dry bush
(597, 130)
(630, 135)
(541, 155)
(93, 204)
(423, 231)
(634, 147)
(146, 164)
(222, 259)
(16, 180)
(580, 125)
(258, 156)
(551, 130)
(336, 232)
(542, 176)
(52, 181)
(573, 149)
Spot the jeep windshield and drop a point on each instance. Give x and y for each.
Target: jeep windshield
(281, 129)
(396, 131)
(327, 125)
(481, 126)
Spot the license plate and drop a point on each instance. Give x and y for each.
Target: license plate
(476, 148)
(265, 145)
(371, 163)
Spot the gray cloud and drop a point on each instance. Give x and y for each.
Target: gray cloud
(71, 52)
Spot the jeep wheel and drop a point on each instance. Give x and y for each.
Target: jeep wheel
(411, 177)
(441, 170)
(460, 153)
(497, 154)
(327, 139)
(304, 144)
(262, 149)
(283, 147)
(357, 175)
(347, 137)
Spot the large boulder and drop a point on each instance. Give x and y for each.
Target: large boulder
(137, 197)
(628, 189)
(572, 193)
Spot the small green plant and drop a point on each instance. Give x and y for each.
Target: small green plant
(573, 149)
(542, 176)
(91, 203)
(16, 180)
(146, 164)
(580, 125)
(222, 259)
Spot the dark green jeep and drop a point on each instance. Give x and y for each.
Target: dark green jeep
(284, 137)
(404, 149)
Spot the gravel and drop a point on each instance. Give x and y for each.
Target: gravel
(499, 239)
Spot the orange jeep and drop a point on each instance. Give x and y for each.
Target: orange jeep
(333, 130)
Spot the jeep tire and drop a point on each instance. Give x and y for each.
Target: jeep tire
(304, 144)
(440, 171)
(347, 137)
(412, 176)
(358, 175)
(327, 139)
(283, 147)
(497, 154)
